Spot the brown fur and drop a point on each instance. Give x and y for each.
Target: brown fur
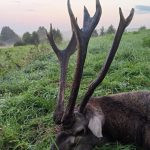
(124, 117)
(127, 117)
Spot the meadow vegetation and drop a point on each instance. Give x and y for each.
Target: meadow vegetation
(29, 78)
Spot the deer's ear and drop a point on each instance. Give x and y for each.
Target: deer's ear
(95, 125)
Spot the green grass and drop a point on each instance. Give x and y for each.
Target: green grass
(29, 80)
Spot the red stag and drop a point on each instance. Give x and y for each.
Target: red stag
(124, 117)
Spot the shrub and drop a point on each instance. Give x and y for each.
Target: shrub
(19, 43)
(32, 39)
(142, 28)
(102, 31)
(57, 35)
(26, 38)
(111, 30)
(35, 38)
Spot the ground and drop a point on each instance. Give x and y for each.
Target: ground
(29, 78)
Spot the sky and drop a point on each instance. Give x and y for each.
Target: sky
(28, 15)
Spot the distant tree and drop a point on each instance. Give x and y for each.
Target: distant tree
(19, 43)
(102, 31)
(95, 33)
(8, 35)
(2, 43)
(142, 28)
(57, 35)
(30, 38)
(42, 34)
(35, 38)
(111, 30)
(27, 38)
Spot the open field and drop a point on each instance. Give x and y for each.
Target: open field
(29, 85)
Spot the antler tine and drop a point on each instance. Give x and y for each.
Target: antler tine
(82, 35)
(63, 57)
(126, 21)
(73, 20)
(90, 22)
(122, 25)
(52, 42)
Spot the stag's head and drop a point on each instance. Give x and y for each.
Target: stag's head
(82, 127)
(79, 136)
(83, 133)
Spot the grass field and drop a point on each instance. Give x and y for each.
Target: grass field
(29, 85)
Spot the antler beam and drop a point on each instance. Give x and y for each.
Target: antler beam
(83, 35)
(63, 57)
(121, 28)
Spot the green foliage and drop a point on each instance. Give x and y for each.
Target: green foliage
(135, 32)
(18, 57)
(28, 94)
(19, 43)
(35, 38)
(116, 146)
(146, 41)
(57, 35)
(27, 38)
(32, 39)
(111, 30)
(102, 31)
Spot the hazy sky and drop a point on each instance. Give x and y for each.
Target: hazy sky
(28, 15)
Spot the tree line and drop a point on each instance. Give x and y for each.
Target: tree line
(110, 30)
(37, 37)
(9, 37)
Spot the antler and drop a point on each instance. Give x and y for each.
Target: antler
(63, 57)
(83, 35)
(122, 25)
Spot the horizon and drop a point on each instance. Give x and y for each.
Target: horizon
(28, 15)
